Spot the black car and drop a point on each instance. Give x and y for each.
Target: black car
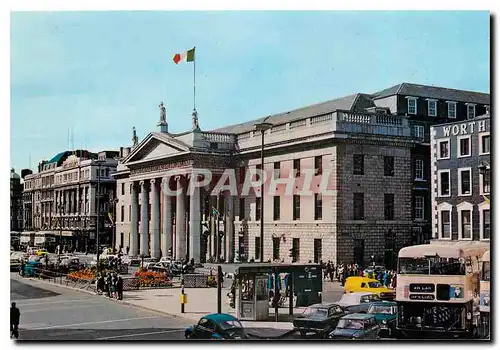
(320, 319)
(216, 326)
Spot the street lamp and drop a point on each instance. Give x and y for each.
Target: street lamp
(113, 202)
(482, 167)
(61, 211)
(99, 162)
(262, 127)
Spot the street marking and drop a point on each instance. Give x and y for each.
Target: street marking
(95, 322)
(54, 302)
(71, 307)
(139, 334)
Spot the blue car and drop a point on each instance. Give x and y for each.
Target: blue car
(216, 326)
(356, 326)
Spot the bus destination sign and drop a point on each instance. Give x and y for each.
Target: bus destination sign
(422, 288)
(421, 296)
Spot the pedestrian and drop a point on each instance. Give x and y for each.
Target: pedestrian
(330, 273)
(15, 316)
(21, 268)
(108, 285)
(119, 287)
(394, 281)
(114, 281)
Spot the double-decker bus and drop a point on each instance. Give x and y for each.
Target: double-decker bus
(45, 239)
(484, 297)
(27, 239)
(438, 288)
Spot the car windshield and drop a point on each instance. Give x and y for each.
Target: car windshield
(374, 285)
(230, 324)
(315, 311)
(380, 309)
(351, 324)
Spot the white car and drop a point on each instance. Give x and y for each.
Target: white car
(149, 261)
(165, 260)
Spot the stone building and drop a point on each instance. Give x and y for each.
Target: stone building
(375, 147)
(63, 196)
(461, 181)
(16, 204)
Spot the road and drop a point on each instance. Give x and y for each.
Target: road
(55, 313)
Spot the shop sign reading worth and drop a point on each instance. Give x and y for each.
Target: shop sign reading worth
(464, 128)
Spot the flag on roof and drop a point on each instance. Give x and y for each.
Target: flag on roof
(187, 56)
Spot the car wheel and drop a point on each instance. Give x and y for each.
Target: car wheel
(302, 333)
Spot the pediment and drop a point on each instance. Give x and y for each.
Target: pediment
(153, 148)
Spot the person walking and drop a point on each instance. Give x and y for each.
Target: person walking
(108, 285)
(119, 287)
(15, 316)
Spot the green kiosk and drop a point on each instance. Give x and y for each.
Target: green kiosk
(254, 281)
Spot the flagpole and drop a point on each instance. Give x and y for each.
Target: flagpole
(194, 79)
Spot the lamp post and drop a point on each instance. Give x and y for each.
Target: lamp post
(61, 211)
(113, 202)
(98, 195)
(262, 127)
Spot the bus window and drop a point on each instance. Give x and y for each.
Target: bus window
(486, 271)
(432, 266)
(413, 266)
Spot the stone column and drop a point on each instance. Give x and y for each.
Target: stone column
(66, 202)
(229, 226)
(144, 219)
(194, 225)
(155, 220)
(133, 221)
(75, 205)
(92, 200)
(166, 236)
(180, 222)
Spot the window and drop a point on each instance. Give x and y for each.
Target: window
(464, 182)
(276, 248)
(389, 206)
(276, 208)
(296, 207)
(412, 105)
(444, 149)
(388, 166)
(359, 206)
(276, 170)
(318, 206)
(471, 111)
(242, 208)
(486, 224)
(318, 165)
(257, 248)
(465, 222)
(129, 213)
(445, 227)
(432, 108)
(123, 188)
(258, 171)
(257, 208)
(418, 131)
(444, 183)
(484, 182)
(452, 110)
(122, 213)
(419, 208)
(317, 250)
(463, 146)
(485, 145)
(295, 250)
(296, 167)
(241, 175)
(359, 164)
(419, 169)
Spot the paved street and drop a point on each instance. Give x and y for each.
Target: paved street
(55, 313)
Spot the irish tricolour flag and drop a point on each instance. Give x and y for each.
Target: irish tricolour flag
(187, 56)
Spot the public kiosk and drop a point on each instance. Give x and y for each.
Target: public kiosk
(252, 287)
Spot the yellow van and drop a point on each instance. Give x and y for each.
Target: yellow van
(364, 284)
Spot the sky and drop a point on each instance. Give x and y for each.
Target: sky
(102, 73)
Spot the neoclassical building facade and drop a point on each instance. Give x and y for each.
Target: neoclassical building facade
(362, 150)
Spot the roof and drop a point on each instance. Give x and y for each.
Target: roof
(384, 303)
(14, 175)
(437, 92)
(342, 103)
(458, 250)
(325, 305)
(358, 316)
(57, 157)
(221, 317)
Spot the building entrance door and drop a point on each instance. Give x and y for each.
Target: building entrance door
(359, 251)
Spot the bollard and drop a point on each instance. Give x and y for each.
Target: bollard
(183, 298)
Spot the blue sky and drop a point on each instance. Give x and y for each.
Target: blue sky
(101, 73)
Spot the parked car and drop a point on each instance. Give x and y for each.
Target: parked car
(41, 252)
(320, 319)
(365, 284)
(373, 269)
(134, 262)
(386, 314)
(165, 260)
(149, 262)
(357, 302)
(216, 326)
(356, 326)
(15, 264)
